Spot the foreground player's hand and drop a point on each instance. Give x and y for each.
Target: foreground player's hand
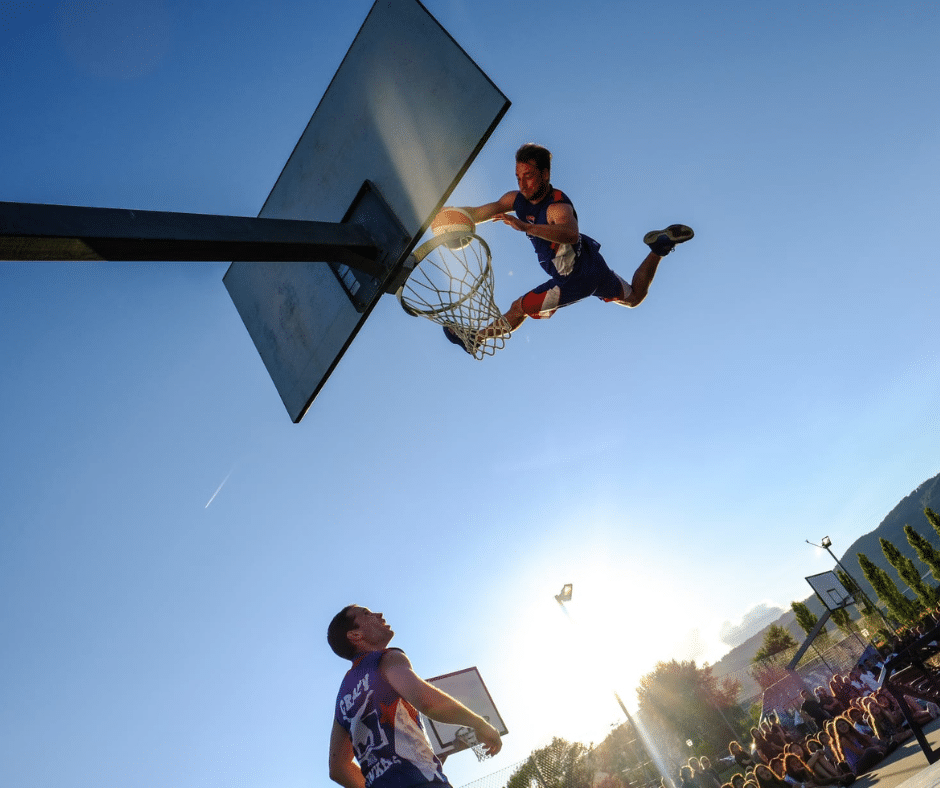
(512, 221)
(489, 737)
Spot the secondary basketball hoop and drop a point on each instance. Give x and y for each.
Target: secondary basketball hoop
(452, 285)
(466, 686)
(468, 739)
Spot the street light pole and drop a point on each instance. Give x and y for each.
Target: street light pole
(565, 596)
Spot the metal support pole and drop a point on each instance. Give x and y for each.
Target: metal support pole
(30, 231)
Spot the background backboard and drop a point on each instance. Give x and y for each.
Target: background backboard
(830, 591)
(466, 686)
(398, 126)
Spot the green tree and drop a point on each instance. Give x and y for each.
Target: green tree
(933, 517)
(561, 764)
(858, 595)
(926, 552)
(776, 640)
(623, 756)
(689, 701)
(805, 617)
(907, 571)
(887, 591)
(843, 620)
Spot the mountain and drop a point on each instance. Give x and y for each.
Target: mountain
(910, 511)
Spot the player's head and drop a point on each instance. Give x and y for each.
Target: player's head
(533, 171)
(538, 155)
(355, 630)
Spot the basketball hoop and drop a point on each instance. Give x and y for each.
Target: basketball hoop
(452, 285)
(469, 739)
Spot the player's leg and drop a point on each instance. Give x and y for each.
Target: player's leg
(540, 304)
(513, 317)
(642, 279)
(661, 243)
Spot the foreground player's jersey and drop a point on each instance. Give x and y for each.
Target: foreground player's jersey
(556, 259)
(387, 736)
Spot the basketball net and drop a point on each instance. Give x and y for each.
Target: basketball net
(469, 738)
(452, 285)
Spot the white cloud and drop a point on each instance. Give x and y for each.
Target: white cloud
(734, 633)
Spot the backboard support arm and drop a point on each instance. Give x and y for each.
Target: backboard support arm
(32, 231)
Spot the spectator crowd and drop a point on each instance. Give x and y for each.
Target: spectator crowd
(837, 733)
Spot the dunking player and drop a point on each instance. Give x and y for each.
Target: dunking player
(376, 719)
(573, 260)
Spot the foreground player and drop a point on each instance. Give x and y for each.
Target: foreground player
(572, 260)
(376, 719)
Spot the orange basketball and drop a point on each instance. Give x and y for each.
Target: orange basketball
(452, 220)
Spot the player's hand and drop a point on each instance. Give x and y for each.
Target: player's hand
(489, 737)
(513, 221)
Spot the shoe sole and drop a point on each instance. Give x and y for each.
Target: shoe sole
(676, 233)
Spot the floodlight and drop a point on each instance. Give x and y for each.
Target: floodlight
(565, 595)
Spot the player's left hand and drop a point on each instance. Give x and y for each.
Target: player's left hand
(513, 221)
(489, 737)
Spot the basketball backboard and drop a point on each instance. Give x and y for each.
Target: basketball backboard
(399, 124)
(466, 686)
(830, 591)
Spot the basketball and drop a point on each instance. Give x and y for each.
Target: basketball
(453, 220)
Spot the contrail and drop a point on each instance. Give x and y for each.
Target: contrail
(218, 490)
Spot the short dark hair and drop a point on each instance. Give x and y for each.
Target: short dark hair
(536, 153)
(337, 633)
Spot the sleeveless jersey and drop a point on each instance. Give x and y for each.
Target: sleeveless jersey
(387, 736)
(557, 259)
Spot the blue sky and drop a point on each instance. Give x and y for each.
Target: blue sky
(173, 547)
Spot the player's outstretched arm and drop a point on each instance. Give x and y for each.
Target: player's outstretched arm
(343, 769)
(430, 701)
(483, 213)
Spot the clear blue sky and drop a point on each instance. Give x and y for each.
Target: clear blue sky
(172, 547)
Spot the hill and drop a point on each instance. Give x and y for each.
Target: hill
(909, 511)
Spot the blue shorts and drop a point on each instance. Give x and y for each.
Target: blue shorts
(592, 277)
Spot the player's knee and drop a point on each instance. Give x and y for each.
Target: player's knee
(535, 305)
(633, 300)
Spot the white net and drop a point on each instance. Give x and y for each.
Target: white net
(469, 738)
(452, 285)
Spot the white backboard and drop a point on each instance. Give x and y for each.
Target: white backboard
(466, 686)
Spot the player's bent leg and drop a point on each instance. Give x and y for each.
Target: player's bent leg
(541, 304)
(615, 289)
(661, 243)
(642, 279)
(513, 318)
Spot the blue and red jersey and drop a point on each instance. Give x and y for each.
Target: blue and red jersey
(556, 259)
(387, 736)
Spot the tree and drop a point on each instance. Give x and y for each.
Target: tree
(933, 517)
(768, 673)
(907, 572)
(858, 595)
(691, 703)
(926, 552)
(623, 757)
(887, 591)
(843, 620)
(805, 617)
(561, 764)
(776, 640)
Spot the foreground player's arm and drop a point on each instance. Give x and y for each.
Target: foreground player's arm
(430, 701)
(343, 768)
(561, 227)
(483, 213)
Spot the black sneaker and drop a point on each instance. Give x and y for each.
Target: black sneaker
(662, 242)
(452, 337)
